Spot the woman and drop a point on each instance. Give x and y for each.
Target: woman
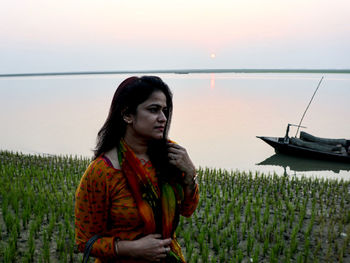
(139, 182)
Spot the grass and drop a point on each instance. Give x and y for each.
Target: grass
(241, 217)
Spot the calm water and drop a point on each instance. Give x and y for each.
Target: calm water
(216, 116)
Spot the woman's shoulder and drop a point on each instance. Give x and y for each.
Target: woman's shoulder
(112, 158)
(100, 168)
(99, 178)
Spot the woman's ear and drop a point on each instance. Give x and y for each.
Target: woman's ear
(127, 118)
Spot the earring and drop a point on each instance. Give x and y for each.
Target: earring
(127, 121)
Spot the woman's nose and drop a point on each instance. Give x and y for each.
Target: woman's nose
(162, 117)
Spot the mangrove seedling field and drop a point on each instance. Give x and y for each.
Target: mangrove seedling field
(241, 216)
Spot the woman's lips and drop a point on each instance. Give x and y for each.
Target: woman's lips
(160, 128)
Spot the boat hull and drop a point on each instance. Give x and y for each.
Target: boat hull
(281, 146)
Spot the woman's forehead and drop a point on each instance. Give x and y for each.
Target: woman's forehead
(157, 97)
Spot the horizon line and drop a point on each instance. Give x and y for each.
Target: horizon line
(179, 71)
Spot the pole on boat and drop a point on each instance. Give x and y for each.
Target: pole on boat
(319, 83)
(286, 137)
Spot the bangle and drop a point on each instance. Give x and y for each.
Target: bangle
(116, 240)
(193, 182)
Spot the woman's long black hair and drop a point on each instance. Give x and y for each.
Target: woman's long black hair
(130, 93)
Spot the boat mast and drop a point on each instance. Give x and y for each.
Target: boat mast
(319, 83)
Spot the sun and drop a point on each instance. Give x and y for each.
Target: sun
(212, 55)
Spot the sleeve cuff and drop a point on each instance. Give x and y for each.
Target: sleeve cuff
(104, 248)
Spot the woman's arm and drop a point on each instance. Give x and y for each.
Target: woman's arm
(191, 198)
(91, 211)
(179, 157)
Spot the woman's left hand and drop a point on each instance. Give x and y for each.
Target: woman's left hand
(179, 157)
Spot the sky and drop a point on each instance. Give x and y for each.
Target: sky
(90, 35)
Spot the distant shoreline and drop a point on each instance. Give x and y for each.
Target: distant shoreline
(178, 71)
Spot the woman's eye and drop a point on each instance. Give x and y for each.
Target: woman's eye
(153, 110)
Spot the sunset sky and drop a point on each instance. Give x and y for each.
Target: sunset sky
(51, 36)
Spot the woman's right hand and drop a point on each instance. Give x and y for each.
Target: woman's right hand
(150, 247)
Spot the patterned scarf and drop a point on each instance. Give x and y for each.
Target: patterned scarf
(149, 199)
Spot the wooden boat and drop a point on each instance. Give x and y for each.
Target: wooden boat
(311, 147)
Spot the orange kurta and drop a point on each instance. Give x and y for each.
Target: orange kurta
(104, 205)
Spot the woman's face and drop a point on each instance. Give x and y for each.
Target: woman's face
(150, 120)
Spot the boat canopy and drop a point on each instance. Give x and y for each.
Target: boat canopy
(316, 145)
(310, 138)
